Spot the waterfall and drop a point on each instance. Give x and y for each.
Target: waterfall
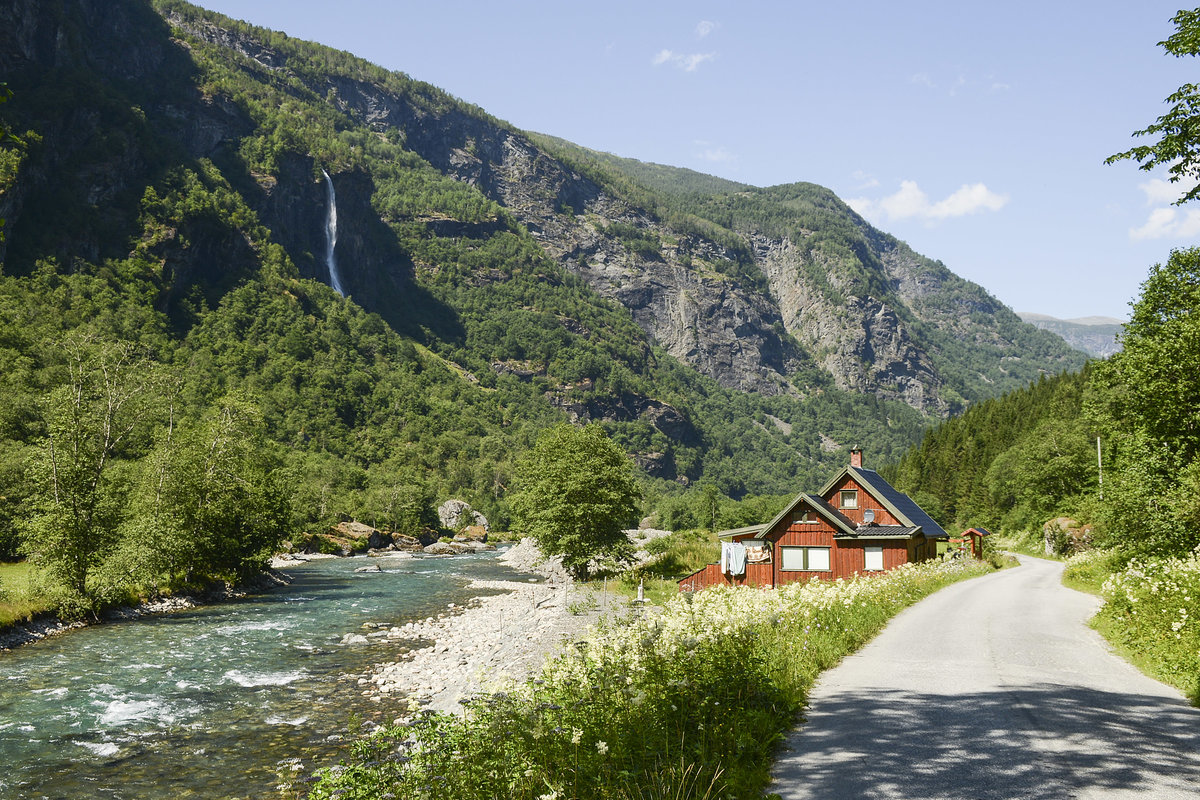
(335, 279)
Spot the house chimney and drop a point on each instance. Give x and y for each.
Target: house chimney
(856, 456)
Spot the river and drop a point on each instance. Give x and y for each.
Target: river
(212, 702)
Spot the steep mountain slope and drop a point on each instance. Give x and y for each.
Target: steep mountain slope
(174, 178)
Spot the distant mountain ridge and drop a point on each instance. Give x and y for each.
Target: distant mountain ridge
(1096, 336)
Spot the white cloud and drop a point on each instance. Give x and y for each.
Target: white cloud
(865, 179)
(911, 202)
(688, 62)
(1168, 223)
(1160, 190)
(714, 153)
(923, 79)
(704, 27)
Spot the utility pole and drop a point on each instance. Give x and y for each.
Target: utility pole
(1100, 467)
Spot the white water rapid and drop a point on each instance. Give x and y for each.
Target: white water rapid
(335, 279)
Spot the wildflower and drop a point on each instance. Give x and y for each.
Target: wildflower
(602, 748)
(576, 735)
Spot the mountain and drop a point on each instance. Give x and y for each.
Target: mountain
(1096, 336)
(173, 189)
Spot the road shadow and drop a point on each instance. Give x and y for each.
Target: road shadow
(1042, 741)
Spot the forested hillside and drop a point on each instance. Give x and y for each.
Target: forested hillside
(166, 318)
(1013, 462)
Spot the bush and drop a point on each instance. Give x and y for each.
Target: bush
(1152, 610)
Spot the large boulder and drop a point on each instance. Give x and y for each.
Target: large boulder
(405, 543)
(362, 534)
(458, 514)
(448, 548)
(1064, 536)
(348, 537)
(473, 533)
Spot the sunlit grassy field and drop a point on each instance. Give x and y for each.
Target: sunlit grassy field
(19, 599)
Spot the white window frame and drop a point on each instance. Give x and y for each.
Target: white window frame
(788, 554)
(872, 551)
(851, 494)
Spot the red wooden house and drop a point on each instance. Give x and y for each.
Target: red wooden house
(858, 523)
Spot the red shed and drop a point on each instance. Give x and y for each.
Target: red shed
(975, 537)
(857, 523)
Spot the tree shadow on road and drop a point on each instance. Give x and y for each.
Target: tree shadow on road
(1044, 741)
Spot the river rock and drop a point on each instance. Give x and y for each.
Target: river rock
(407, 543)
(475, 533)
(359, 531)
(458, 514)
(369, 568)
(447, 549)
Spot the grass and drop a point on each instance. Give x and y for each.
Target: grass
(1087, 571)
(19, 599)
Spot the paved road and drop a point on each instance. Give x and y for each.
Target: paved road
(993, 688)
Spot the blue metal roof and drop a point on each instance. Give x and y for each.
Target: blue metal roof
(896, 501)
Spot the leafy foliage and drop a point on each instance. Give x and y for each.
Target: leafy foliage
(574, 495)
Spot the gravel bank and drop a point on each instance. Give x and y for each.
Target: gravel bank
(492, 643)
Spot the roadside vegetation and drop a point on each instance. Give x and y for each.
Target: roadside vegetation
(1152, 613)
(686, 703)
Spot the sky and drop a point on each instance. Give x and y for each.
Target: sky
(975, 132)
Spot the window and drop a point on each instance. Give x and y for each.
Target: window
(848, 498)
(808, 517)
(873, 558)
(804, 559)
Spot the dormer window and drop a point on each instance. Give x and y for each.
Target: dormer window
(848, 498)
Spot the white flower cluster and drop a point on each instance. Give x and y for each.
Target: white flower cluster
(688, 621)
(1169, 582)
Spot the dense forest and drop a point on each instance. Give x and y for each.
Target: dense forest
(1113, 446)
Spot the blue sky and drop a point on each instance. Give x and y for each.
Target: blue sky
(976, 132)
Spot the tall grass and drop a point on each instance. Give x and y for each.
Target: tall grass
(686, 704)
(20, 598)
(1152, 611)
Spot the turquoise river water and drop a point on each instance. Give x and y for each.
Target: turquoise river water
(212, 702)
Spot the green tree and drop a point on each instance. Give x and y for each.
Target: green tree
(1152, 383)
(575, 493)
(1178, 145)
(1147, 400)
(93, 421)
(211, 503)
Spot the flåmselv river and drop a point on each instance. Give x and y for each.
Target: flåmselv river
(213, 702)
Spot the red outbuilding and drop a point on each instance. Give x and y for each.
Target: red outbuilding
(858, 523)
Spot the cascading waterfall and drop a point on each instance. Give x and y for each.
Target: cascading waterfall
(331, 236)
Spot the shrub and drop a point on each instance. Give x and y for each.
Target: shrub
(1153, 611)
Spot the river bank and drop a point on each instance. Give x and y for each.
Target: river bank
(44, 626)
(492, 642)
